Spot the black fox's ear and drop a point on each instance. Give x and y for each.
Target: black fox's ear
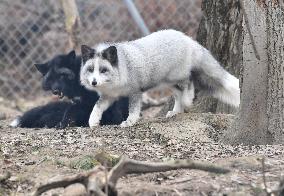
(72, 54)
(110, 54)
(42, 68)
(87, 53)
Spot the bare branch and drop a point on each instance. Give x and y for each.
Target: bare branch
(64, 182)
(263, 176)
(96, 182)
(128, 166)
(95, 186)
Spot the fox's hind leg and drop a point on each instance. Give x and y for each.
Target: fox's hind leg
(178, 106)
(183, 95)
(135, 102)
(188, 96)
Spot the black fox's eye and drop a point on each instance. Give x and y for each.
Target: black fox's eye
(103, 70)
(90, 69)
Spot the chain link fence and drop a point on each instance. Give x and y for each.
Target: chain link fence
(33, 31)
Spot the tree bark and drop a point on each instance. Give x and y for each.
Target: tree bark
(261, 116)
(275, 98)
(220, 31)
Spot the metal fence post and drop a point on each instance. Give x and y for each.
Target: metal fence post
(137, 17)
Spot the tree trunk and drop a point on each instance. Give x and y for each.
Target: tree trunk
(261, 116)
(72, 23)
(220, 31)
(275, 98)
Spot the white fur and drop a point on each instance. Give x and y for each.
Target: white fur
(164, 58)
(230, 94)
(15, 123)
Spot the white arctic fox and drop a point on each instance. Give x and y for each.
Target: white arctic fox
(168, 58)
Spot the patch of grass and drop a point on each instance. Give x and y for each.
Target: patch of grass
(4, 191)
(258, 191)
(35, 148)
(107, 159)
(86, 162)
(60, 163)
(166, 159)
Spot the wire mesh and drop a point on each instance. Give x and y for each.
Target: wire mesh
(33, 31)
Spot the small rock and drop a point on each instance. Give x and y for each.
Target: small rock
(14, 179)
(75, 190)
(171, 177)
(30, 163)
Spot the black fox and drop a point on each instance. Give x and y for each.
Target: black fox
(61, 75)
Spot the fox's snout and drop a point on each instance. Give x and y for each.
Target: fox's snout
(94, 82)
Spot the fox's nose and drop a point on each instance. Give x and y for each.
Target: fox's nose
(55, 92)
(94, 83)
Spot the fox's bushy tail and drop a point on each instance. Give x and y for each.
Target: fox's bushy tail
(209, 77)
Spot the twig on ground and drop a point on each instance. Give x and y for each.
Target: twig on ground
(177, 192)
(263, 176)
(96, 182)
(280, 190)
(106, 179)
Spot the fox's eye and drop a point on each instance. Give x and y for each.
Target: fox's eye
(103, 70)
(90, 69)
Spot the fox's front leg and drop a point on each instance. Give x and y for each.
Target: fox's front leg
(102, 104)
(135, 101)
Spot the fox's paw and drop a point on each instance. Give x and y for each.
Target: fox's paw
(94, 120)
(171, 114)
(127, 123)
(93, 124)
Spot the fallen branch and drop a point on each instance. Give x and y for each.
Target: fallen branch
(264, 177)
(66, 181)
(128, 166)
(96, 182)
(280, 190)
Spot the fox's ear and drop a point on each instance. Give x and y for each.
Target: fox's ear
(42, 68)
(87, 53)
(110, 54)
(71, 54)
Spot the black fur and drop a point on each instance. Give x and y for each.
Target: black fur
(44, 116)
(87, 53)
(110, 54)
(178, 87)
(61, 75)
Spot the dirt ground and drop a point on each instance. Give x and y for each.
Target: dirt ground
(33, 156)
